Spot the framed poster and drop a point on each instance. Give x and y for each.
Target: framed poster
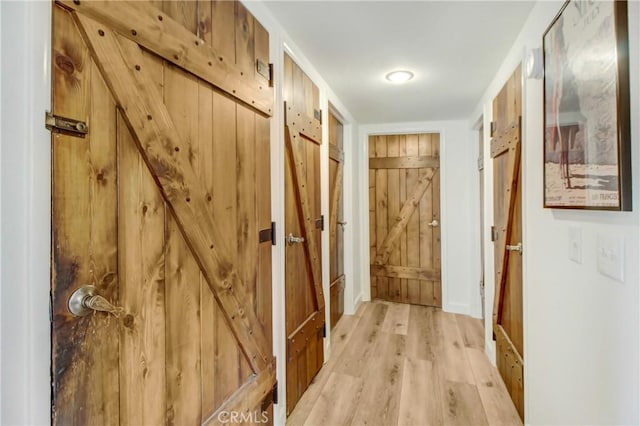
(587, 141)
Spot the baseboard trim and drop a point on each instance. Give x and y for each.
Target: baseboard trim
(456, 308)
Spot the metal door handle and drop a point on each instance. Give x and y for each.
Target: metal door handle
(341, 223)
(517, 248)
(293, 240)
(434, 223)
(86, 300)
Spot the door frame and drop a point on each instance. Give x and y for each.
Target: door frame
(363, 158)
(26, 369)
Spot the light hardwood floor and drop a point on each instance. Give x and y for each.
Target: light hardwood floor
(396, 364)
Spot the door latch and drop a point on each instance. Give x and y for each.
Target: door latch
(65, 125)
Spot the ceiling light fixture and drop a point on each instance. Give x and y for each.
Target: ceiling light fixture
(400, 76)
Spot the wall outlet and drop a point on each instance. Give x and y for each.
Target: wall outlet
(575, 244)
(610, 254)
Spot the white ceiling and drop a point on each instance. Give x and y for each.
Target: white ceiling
(453, 47)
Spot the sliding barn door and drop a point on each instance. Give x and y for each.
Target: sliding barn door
(304, 303)
(404, 218)
(336, 219)
(507, 235)
(161, 287)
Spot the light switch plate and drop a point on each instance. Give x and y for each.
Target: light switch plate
(575, 244)
(610, 254)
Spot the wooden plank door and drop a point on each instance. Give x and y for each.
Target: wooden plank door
(336, 219)
(304, 306)
(404, 218)
(159, 207)
(507, 236)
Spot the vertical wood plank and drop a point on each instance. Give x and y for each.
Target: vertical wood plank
(184, 393)
(261, 37)
(393, 208)
(372, 215)
(184, 12)
(435, 200)
(287, 83)
(84, 196)
(246, 210)
(413, 226)
(404, 289)
(141, 213)
(208, 304)
(227, 353)
(245, 59)
(263, 175)
(204, 21)
(426, 231)
(381, 211)
(223, 24)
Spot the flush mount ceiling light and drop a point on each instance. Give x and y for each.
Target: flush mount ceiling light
(399, 76)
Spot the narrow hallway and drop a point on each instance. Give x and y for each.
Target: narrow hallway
(407, 365)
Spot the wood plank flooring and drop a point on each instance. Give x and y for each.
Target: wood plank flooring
(395, 364)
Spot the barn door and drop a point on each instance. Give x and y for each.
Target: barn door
(336, 219)
(404, 218)
(304, 314)
(161, 285)
(507, 236)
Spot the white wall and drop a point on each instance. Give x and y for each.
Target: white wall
(460, 287)
(25, 177)
(581, 329)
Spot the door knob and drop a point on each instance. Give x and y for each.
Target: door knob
(293, 240)
(86, 300)
(517, 248)
(434, 223)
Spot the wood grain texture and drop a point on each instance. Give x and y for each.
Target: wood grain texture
(399, 385)
(84, 232)
(169, 39)
(136, 95)
(419, 401)
(340, 410)
(159, 137)
(507, 309)
(303, 283)
(461, 405)
(493, 393)
(141, 235)
(380, 400)
(404, 162)
(404, 185)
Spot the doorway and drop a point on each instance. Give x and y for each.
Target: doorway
(404, 218)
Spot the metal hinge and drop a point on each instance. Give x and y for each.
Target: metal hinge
(268, 234)
(324, 330)
(480, 164)
(320, 223)
(265, 70)
(271, 398)
(65, 125)
(493, 128)
(317, 114)
(494, 234)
